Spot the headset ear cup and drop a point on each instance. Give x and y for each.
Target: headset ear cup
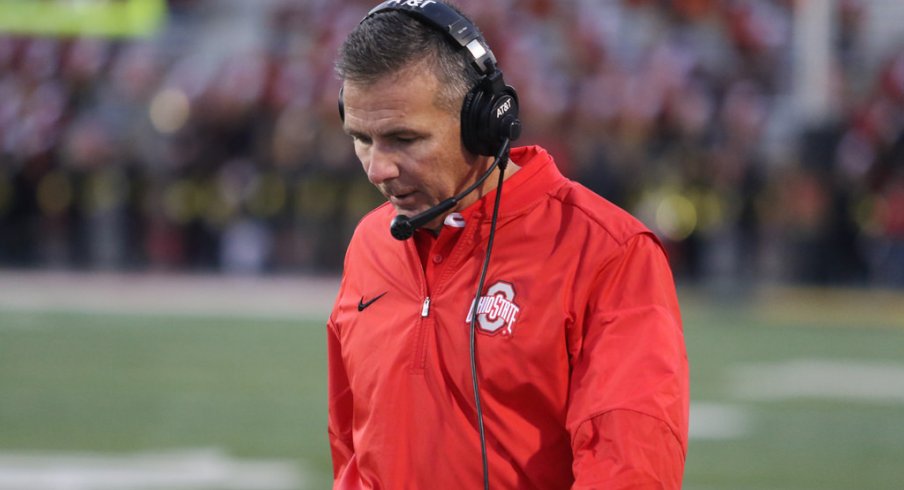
(488, 118)
(506, 115)
(470, 121)
(341, 105)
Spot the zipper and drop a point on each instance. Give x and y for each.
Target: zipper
(425, 310)
(425, 325)
(424, 322)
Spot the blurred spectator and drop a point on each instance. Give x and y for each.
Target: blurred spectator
(143, 154)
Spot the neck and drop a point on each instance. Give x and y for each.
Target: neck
(485, 188)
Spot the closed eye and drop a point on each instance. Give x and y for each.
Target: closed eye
(395, 137)
(360, 138)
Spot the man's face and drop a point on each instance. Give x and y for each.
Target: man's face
(409, 147)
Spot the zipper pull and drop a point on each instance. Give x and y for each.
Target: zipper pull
(425, 310)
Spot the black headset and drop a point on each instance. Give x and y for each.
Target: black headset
(489, 114)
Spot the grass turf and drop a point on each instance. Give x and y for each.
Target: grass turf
(256, 388)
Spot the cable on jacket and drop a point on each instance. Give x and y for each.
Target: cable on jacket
(502, 160)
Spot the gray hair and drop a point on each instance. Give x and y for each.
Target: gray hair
(391, 41)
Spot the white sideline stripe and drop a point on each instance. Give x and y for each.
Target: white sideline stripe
(717, 421)
(200, 469)
(155, 294)
(878, 382)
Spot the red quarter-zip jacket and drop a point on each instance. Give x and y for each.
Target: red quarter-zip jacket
(580, 352)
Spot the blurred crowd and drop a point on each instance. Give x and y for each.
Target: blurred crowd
(148, 154)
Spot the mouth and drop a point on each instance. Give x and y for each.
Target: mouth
(403, 199)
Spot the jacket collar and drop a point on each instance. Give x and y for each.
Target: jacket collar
(537, 177)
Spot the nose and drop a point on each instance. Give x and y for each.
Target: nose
(380, 165)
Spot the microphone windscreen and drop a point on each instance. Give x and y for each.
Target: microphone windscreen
(401, 228)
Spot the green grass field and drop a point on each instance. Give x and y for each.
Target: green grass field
(109, 383)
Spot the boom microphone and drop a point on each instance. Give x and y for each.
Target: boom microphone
(403, 227)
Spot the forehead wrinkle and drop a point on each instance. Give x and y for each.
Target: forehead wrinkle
(370, 107)
(388, 106)
(421, 83)
(379, 121)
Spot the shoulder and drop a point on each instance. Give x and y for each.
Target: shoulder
(598, 213)
(377, 220)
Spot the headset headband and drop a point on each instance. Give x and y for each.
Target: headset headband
(445, 19)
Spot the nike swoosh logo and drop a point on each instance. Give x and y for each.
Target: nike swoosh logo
(362, 304)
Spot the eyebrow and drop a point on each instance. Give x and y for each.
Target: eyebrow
(385, 134)
(352, 132)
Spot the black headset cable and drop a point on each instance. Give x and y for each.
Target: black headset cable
(502, 160)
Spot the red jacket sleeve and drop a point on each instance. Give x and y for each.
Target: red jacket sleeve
(628, 407)
(340, 406)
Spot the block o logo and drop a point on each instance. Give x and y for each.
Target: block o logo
(497, 311)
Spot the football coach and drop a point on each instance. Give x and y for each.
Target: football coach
(525, 339)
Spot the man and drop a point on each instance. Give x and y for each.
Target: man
(579, 351)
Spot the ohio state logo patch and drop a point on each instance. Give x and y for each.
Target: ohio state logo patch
(497, 311)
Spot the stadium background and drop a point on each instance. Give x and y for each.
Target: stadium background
(174, 208)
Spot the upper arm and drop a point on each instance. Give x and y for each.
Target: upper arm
(629, 356)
